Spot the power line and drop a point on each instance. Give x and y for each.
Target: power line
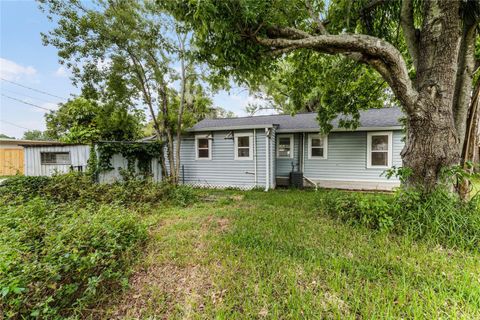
(25, 102)
(28, 96)
(30, 88)
(13, 124)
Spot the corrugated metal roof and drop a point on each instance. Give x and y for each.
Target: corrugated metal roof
(372, 118)
(31, 142)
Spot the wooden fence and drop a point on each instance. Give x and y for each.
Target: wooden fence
(11, 162)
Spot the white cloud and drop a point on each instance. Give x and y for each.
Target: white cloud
(61, 72)
(10, 70)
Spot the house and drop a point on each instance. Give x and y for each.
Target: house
(262, 151)
(50, 157)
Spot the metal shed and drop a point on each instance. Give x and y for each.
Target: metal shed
(49, 158)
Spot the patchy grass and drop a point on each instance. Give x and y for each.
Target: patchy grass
(276, 255)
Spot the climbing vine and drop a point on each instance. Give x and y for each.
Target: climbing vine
(135, 152)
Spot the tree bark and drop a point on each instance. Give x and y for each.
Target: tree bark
(183, 80)
(432, 142)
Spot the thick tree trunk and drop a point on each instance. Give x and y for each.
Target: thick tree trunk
(432, 142)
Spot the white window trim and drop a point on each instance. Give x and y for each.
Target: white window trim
(325, 146)
(389, 150)
(291, 145)
(203, 136)
(250, 145)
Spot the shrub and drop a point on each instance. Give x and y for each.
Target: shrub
(439, 216)
(22, 187)
(78, 187)
(371, 210)
(55, 261)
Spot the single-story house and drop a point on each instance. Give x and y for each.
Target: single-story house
(262, 151)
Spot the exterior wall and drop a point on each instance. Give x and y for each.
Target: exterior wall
(346, 163)
(79, 155)
(33, 167)
(11, 160)
(284, 165)
(222, 170)
(119, 162)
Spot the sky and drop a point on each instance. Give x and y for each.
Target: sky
(30, 72)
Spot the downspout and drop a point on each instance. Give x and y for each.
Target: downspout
(255, 155)
(302, 163)
(267, 160)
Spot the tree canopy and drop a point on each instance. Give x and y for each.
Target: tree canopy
(84, 121)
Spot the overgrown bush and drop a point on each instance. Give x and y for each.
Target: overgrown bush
(54, 261)
(439, 216)
(78, 187)
(22, 187)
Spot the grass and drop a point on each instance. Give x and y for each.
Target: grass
(276, 255)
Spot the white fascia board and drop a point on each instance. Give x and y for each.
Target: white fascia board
(229, 128)
(316, 130)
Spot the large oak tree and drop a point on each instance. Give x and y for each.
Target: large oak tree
(424, 50)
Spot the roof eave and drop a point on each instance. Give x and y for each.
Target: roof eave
(227, 128)
(340, 129)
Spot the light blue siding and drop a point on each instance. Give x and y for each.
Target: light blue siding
(223, 170)
(284, 165)
(347, 158)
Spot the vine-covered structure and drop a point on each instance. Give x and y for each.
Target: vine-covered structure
(106, 161)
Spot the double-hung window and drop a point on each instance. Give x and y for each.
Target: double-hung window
(379, 149)
(317, 146)
(285, 146)
(203, 148)
(243, 146)
(55, 158)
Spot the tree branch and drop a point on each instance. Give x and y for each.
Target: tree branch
(464, 80)
(287, 32)
(379, 54)
(409, 31)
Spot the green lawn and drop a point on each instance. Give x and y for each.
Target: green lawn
(275, 255)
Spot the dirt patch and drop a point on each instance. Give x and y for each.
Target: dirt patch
(164, 290)
(216, 223)
(173, 289)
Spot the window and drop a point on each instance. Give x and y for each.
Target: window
(243, 146)
(317, 146)
(203, 147)
(379, 145)
(55, 157)
(285, 146)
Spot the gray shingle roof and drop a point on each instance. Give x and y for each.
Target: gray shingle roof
(372, 118)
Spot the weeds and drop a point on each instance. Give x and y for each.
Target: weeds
(55, 261)
(440, 216)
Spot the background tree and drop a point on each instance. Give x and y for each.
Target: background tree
(423, 50)
(4, 136)
(35, 135)
(133, 50)
(85, 121)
